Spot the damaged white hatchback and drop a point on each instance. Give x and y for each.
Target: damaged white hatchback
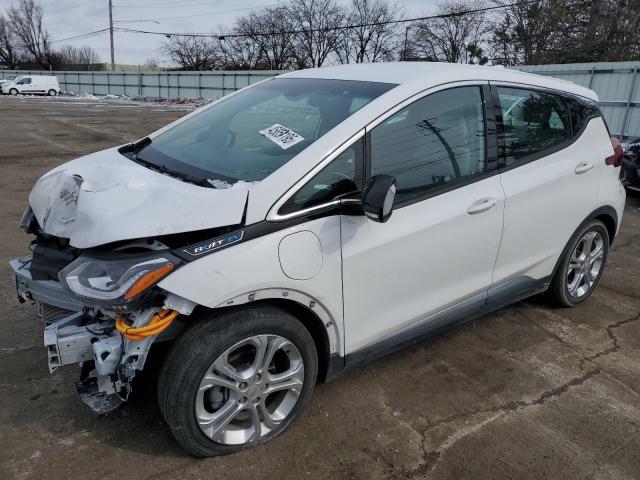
(309, 223)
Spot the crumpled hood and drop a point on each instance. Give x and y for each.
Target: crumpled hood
(105, 197)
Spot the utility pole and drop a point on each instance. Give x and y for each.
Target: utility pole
(113, 61)
(406, 39)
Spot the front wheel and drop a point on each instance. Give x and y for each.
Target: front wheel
(52, 93)
(13, 91)
(581, 267)
(237, 380)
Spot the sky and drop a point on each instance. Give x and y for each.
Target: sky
(68, 18)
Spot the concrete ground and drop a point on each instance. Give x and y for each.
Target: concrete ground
(527, 392)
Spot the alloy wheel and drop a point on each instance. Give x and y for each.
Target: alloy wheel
(249, 390)
(585, 264)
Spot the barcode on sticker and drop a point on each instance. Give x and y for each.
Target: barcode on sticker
(282, 136)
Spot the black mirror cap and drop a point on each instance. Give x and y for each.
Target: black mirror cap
(378, 196)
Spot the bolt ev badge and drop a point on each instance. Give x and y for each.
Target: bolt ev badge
(214, 244)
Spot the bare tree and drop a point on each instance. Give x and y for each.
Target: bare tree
(276, 46)
(152, 64)
(447, 38)
(373, 39)
(239, 53)
(192, 53)
(10, 52)
(318, 23)
(83, 56)
(26, 20)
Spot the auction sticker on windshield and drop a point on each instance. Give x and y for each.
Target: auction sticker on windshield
(282, 136)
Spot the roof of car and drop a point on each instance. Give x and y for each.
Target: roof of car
(427, 74)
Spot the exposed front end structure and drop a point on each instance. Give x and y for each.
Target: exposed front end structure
(110, 347)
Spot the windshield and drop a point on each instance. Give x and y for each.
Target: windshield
(250, 135)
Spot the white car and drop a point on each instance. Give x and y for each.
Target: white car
(312, 222)
(32, 84)
(8, 79)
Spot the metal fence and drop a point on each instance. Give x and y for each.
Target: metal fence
(172, 85)
(617, 85)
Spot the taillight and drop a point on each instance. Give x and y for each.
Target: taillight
(618, 154)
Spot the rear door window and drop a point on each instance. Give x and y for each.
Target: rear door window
(534, 123)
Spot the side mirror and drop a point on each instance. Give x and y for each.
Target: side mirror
(378, 196)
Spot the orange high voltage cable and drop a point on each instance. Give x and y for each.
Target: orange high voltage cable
(158, 323)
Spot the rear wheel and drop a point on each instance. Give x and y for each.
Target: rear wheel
(237, 380)
(582, 265)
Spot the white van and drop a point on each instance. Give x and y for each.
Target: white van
(32, 85)
(310, 223)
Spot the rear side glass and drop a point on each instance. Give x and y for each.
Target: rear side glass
(534, 123)
(582, 111)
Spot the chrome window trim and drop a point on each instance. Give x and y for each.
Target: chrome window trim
(424, 93)
(274, 216)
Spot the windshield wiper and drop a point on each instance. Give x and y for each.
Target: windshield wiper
(140, 144)
(168, 171)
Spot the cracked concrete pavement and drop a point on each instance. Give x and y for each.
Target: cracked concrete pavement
(527, 392)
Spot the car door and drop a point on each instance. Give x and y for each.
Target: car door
(437, 251)
(548, 176)
(24, 85)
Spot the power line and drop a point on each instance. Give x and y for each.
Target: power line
(84, 35)
(313, 30)
(291, 32)
(56, 34)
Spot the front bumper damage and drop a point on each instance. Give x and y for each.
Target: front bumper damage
(49, 292)
(88, 337)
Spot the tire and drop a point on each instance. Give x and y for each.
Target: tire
(52, 93)
(182, 396)
(50, 314)
(574, 280)
(13, 92)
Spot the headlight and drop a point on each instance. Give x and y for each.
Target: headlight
(115, 281)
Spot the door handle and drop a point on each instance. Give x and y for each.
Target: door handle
(583, 167)
(482, 205)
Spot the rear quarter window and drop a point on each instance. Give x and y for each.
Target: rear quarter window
(581, 111)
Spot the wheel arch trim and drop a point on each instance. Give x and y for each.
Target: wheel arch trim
(315, 310)
(605, 211)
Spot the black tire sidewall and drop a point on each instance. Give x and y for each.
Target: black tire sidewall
(560, 290)
(52, 94)
(13, 92)
(194, 352)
